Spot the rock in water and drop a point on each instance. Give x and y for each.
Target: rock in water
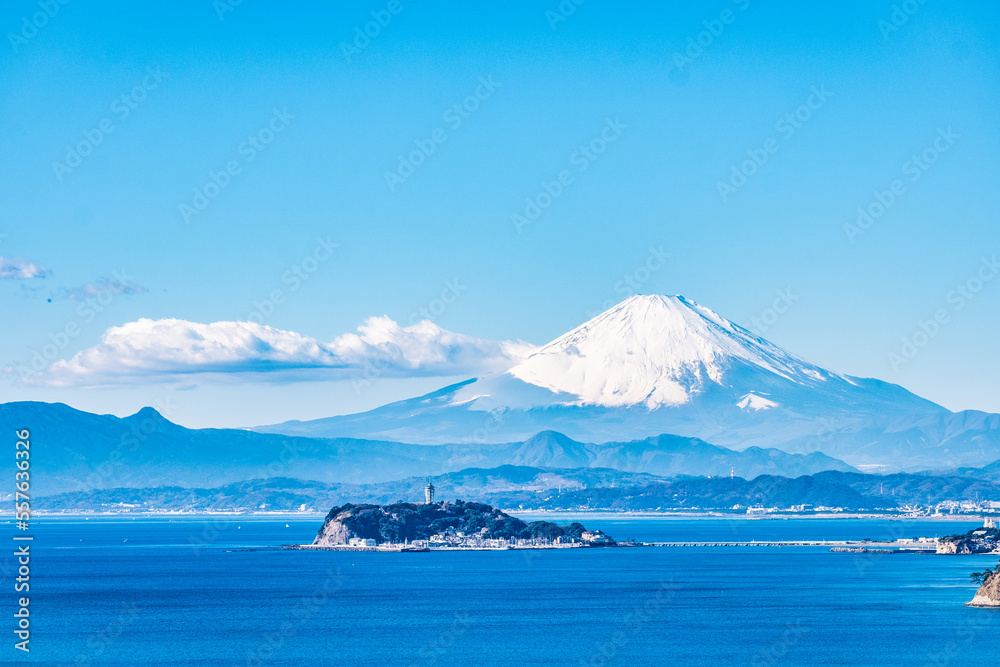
(988, 594)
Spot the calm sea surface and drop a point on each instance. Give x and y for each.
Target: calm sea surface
(194, 592)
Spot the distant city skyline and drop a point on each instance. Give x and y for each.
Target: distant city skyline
(200, 215)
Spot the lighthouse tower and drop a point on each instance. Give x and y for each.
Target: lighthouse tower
(429, 493)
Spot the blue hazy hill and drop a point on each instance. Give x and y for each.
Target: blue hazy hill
(74, 450)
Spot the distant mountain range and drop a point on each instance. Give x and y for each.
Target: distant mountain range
(643, 388)
(525, 487)
(76, 451)
(990, 472)
(658, 364)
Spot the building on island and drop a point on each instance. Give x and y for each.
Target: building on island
(594, 537)
(429, 493)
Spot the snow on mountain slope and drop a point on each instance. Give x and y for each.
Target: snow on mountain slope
(664, 364)
(754, 402)
(654, 351)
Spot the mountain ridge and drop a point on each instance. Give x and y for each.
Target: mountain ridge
(548, 488)
(76, 450)
(657, 364)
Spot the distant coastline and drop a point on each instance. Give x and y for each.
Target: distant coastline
(680, 514)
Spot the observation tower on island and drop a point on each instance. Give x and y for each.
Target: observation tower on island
(429, 493)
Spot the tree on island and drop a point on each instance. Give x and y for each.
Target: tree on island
(979, 578)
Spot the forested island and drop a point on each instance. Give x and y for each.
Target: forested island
(977, 541)
(980, 540)
(444, 525)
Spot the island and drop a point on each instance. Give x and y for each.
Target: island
(988, 594)
(445, 525)
(977, 541)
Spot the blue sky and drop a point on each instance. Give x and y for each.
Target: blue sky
(646, 114)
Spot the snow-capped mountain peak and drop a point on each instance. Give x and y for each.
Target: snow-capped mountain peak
(664, 364)
(655, 351)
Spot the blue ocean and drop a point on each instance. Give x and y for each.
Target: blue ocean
(208, 591)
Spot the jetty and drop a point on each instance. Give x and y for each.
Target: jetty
(849, 546)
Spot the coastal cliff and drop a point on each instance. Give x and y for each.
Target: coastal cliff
(988, 594)
(976, 541)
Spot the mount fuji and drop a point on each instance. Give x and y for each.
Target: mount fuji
(664, 364)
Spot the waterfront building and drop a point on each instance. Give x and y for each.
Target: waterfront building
(594, 537)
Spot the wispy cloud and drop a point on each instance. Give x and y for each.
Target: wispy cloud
(172, 349)
(98, 288)
(20, 269)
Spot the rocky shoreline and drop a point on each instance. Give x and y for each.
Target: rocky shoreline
(988, 595)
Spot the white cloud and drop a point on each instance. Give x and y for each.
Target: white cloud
(20, 269)
(174, 349)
